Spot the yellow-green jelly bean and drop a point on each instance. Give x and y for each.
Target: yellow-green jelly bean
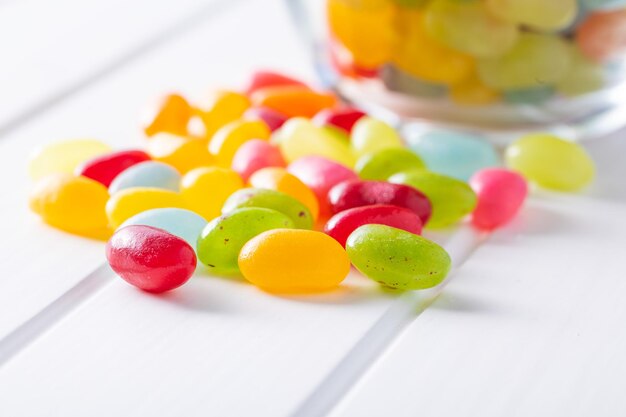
(382, 164)
(451, 199)
(396, 258)
(222, 239)
(551, 162)
(271, 199)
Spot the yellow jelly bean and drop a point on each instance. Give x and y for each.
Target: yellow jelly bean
(294, 260)
(206, 189)
(73, 204)
(64, 156)
(364, 27)
(280, 180)
(221, 108)
(423, 57)
(182, 153)
(583, 76)
(299, 137)
(371, 135)
(130, 201)
(170, 115)
(539, 14)
(229, 138)
(551, 162)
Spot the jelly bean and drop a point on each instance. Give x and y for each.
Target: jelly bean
(73, 204)
(455, 154)
(602, 35)
(256, 154)
(206, 189)
(293, 101)
(185, 224)
(150, 259)
(469, 27)
(63, 157)
(402, 82)
(536, 60)
(280, 180)
(126, 203)
(184, 154)
(501, 194)
(273, 119)
(583, 76)
(299, 138)
(170, 115)
(533, 95)
(451, 199)
(343, 223)
(229, 138)
(423, 57)
(551, 162)
(473, 91)
(271, 199)
(538, 14)
(264, 79)
(369, 135)
(147, 174)
(343, 118)
(380, 165)
(220, 108)
(343, 61)
(350, 194)
(281, 260)
(106, 167)
(396, 258)
(602, 4)
(320, 175)
(364, 28)
(222, 239)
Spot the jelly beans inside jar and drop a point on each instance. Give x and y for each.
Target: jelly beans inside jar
(495, 65)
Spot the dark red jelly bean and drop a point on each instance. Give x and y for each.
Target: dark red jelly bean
(151, 259)
(105, 168)
(343, 119)
(342, 224)
(263, 79)
(349, 194)
(272, 118)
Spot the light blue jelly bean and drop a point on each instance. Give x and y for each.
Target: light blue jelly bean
(147, 174)
(180, 222)
(455, 154)
(536, 95)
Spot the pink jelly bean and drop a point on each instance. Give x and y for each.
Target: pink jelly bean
(343, 119)
(357, 193)
(272, 118)
(342, 224)
(320, 175)
(105, 168)
(263, 79)
(254, 155)
(500, 193)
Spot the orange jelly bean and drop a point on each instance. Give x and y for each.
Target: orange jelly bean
(280, 180)
(182, 153)
(602, 35)
(294, 260)
(293, 101)
(170, 115)
(221, 108)
(230, 137)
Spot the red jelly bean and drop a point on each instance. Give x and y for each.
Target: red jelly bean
(342, 224)
(602, 35)
(254, 155)
(151, 259)
(343, 119)
(105, 168)
(500, 193)
(320, 175)
(263, 79)
(358, 193)
(272, 118)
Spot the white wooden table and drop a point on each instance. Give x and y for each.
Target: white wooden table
(531, 324)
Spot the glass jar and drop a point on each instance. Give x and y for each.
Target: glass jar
(497, 66)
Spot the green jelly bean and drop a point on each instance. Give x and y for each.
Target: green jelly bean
(396, 258)
(451, 199)
(380, 165)
(221, 240)
(275, 200)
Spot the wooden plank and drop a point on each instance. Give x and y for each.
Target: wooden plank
(532, 325)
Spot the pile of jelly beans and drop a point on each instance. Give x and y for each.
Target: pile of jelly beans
(284, 186)
(479, 52)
